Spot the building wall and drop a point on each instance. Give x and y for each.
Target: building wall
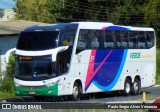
(1, 13)
(6, 43)
(9, 14)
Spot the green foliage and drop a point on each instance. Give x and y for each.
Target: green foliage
(152, 12)
(37, 10)
(7, 85)
(152, 17)
(10, 67)
(127, 12)
(8, 81)
(158, 68)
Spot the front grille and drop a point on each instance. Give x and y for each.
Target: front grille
(33, 87)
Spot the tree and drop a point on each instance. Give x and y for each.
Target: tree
(8, 81)
(152, 12)
(38, 10)
(125, 12)
(152, 16)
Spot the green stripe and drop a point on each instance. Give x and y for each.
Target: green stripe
(43, 91)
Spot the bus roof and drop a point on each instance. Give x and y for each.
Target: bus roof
(142, 28)
(46, 27)
(93, 25)
(88, 25)
(101, 25)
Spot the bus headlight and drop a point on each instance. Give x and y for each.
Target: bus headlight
(17, 85)
(50, 84)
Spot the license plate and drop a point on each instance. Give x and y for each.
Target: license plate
(32, 93)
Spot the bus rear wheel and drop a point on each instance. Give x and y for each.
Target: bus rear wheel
(135, 87)
(76, 92)
(127, 87)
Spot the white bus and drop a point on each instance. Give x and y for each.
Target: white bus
(84, 57)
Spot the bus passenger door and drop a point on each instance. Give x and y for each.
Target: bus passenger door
(149, 74)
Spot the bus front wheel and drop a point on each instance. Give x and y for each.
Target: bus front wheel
(39, 98)
(127, 87)
(76, 92)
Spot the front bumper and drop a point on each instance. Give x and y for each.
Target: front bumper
(36, 90)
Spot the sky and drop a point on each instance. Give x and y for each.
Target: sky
(7, 4)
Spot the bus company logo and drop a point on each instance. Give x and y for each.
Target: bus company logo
(135, 55)
(6, 106)
(34, 75)
(92, 58)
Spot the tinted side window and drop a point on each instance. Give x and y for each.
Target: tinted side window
(110, 39)
(141, 40)
(90, 39)
(83, 41)
(94, 39)
(101, 35)
(114, 39)
(118, 37)
(124, 36)
(67, 38)
(149, 39)
(132, 36)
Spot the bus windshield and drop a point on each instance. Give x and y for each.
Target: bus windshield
(35, 67)
(37, 40)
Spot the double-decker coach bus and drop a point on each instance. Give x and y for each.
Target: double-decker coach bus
(84, 57)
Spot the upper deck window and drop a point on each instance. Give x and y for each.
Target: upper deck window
(37, 40)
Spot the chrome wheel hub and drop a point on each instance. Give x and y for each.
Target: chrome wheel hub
(127, 87)
(75, 91)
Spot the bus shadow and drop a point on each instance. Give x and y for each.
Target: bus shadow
(95, 96)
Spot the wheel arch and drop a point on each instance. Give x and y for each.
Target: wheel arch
(76, 90)
(129, 78)
(138, 78)
(79, 82)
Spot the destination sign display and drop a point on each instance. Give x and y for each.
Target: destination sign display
(25, 58)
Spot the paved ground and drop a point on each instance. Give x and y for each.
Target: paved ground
(153, 93)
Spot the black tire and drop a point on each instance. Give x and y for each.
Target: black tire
(127, 87)
(92, 96)
(136, 87)
(77, 91)
(39, 98)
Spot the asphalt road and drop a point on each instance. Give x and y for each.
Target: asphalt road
(153, 93)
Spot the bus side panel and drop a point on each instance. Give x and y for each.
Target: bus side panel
(149, 67)
(106, 70)
(149, 73)
(103, 71)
